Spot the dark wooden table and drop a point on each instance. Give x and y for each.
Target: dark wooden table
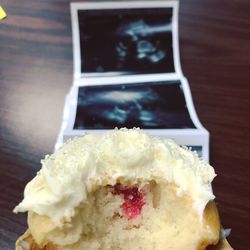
(36, 73)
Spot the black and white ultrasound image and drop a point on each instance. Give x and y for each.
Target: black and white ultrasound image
(126, 41)
(154, 105)
(197, 149)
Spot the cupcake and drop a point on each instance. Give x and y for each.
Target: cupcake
(121, 190)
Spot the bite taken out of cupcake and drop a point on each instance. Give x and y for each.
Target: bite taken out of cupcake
(121, 190)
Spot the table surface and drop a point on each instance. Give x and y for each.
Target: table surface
(36, 73)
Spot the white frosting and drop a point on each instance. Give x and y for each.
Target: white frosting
(84, 163)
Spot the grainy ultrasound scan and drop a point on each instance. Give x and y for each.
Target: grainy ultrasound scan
(154, 105)
(197, 149)
(126, 41)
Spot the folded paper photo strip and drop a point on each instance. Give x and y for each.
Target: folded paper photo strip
(127, 73)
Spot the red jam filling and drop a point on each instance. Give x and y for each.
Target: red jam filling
(133, 200)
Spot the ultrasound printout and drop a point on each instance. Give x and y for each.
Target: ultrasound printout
(126, 41)
(154, 105)
(197, 149)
